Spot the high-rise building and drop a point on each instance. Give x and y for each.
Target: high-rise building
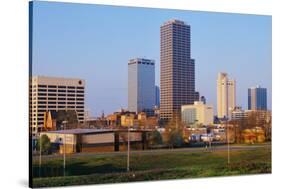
(226, 95)
(177, 69)
(257, 98)
(141, 85)
(198, 113)
(157, 96)
(54, 94)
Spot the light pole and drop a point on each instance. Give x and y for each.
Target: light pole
(40, 156)
(128, 151)
(228, 149)
(64, 142)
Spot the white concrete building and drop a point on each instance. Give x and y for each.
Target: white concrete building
(238, 113)
(198, 113)
(141, 85)
(226, 95)
(53, 94)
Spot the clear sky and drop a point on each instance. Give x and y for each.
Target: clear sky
(95, 42)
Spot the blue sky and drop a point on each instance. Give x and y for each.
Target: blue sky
(95, 42)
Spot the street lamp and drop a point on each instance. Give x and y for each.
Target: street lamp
(128, 150)
(40, 156)
(228, 148)
(64, 142)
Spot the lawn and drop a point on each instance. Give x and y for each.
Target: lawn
(157, 166)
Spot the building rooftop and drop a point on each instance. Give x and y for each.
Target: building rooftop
(88, 131)
(142, 61)
(174, 21)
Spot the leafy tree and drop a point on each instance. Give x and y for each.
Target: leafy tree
(154, 138)
(45, 144)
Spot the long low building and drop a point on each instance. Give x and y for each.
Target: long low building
(96, 140)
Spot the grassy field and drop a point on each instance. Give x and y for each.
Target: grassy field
(156, 166)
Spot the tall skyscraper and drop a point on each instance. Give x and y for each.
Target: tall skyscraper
(141, 85)
(157, 96)
(226, 95)
(177, 69)
(53, 94)
(257, 98)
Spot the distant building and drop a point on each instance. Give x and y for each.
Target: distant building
(261, 116)
(157, 96)
(257, 98)
(53, 120)
(203, 99)
(54, 94)
(95, 140)
(177, 69)
(198, 113)
(238, 113)
(226, 95)
(128, 120)
(141, 85)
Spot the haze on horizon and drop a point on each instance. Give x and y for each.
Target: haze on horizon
(95, 43)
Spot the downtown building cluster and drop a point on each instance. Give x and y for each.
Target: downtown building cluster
(147, 103)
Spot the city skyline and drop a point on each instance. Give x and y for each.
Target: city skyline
(90, 63)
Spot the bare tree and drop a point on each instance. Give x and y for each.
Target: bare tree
(174, 131)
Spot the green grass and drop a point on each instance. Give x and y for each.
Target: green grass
(156, 166)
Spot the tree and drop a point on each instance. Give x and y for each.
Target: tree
(174, 131)
(70, 116)
(44, 143)
(154, 138)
